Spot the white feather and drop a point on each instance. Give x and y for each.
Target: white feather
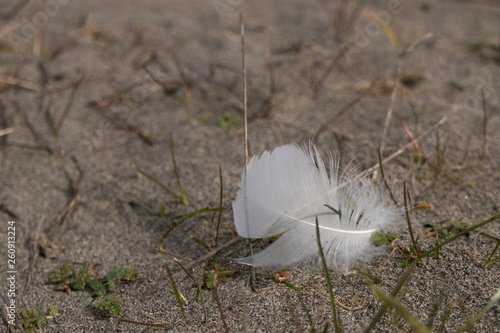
(283, 191)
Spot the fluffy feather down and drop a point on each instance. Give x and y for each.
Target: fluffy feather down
(283, 191)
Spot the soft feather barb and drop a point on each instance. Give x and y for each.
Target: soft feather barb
(283, 191)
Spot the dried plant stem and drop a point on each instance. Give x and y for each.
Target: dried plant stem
(346, 108)
(387, 159)
(328, 281)
(407, 213)
(157, 182)
(335, 62)
(383, 309)
(481, 313)
(34, 256)
(18, 324)
(244, 71)
(220, 206)
(57, 227)
(407, 51)
(183, 196)
(6, 131)
(485, 125)
(402, 149)
(245, 112)
(178, 295)
(384, 179)
(20, 83)
(193, 263)
(216, 294)
(448, 240)
(67, 108)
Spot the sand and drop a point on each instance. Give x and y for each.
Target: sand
(85, 68)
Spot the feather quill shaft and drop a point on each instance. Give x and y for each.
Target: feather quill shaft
(283, 191)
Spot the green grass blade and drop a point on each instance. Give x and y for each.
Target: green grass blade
(183, 196)
(444, 319)
(383, 177)
(308, 315)
(458, 235)
(255, 243)
(481, 313)
(201, 243)
(489, 261)
(177, 294)
(185, 270)
(328, 281)
(406, 194)
(436, 256)
(198, 289)
(487, 236)
(413, 321)
(404, 280)
(327, 326)
(289, 285)
(338, 212)
(435, 307)
(157, 182)
(201, 211)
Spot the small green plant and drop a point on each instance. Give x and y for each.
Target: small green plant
(228, 120)
(36, 319)
(109, 303)
(222, 276)
(457, 85)
(203, 121)
(63, 279)
(68, 279)
(383, 239)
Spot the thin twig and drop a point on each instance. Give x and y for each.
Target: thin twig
(437, 165)
(67, 108)
(183, 196)
(6, 131)
(406, 194)
(20, 83)
(34, 256)
(267, 107)
(34, 133)
(9, 76)
(405, 52)
(75, 190)
(193, 263)
(7, 211)
(15, 9)
(44, 103)
(245, 101)
(346, 108)
(334, 64)
(485, 126)
(188, 94)
(214, 252)
(384, 179)
(402, 149)
(18, 324)
(216, 294)
(387, 159)
(220, 206)
(245, 112)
